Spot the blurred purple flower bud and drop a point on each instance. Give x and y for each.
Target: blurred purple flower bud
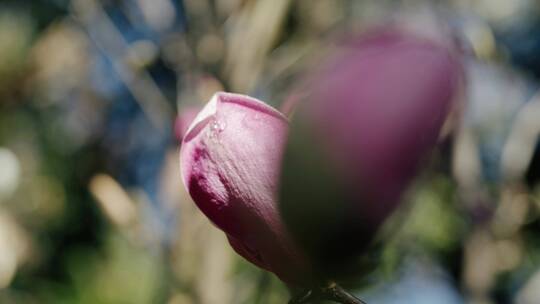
(373, 113)
(230, 161)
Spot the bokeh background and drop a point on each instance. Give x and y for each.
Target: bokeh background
(92, 209)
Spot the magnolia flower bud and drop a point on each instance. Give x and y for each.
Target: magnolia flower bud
(371, 115)
(230, 162)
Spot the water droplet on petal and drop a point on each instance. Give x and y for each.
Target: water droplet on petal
(216, 127)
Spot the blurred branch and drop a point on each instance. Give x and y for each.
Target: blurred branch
(253, 34)
(519, 148)
(109, 39)
(113, 200)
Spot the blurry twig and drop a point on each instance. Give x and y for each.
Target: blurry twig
(113, 200)
(108, 38)
(519, 148)
(253, 33)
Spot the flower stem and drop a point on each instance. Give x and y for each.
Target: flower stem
(336, 293)
(331, 292)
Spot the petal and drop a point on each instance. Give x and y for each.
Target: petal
(230, 161)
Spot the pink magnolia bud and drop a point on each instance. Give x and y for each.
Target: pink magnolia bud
(230, 162)
(372, 114)
(369, 118)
